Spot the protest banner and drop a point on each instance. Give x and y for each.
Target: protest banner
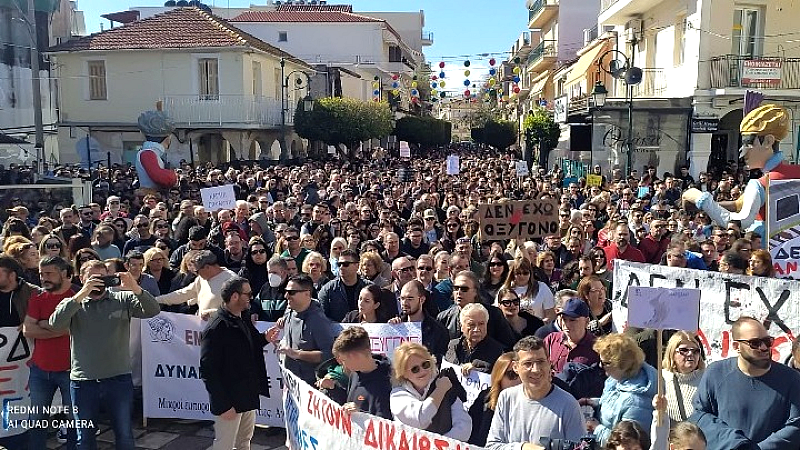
(521, 167)
(594, 180)
(405, 150)
(724, 298)
(314, 421)
(642, 192)
(385, 337)
(218, 197)
(518, 219)
(171, 384)
(783, 226)
(662, 309)
(452, 165)
(15, 351)
(473, 383)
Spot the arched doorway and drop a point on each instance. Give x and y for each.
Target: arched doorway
(275, 150)
(725, 142)
(254, 152)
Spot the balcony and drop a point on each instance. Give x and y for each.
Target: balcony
(618, 12)
(542, 56)
(653, 85)
(522, 46)
(736, 71)
(541, 12)
(228, 111)
(427, 38)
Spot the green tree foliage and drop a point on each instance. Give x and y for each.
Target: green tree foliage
(541, 130)
(477, 135)
(423, 131)
(500, 134)
(345, 121)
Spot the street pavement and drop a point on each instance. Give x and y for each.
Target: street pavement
(178, 434)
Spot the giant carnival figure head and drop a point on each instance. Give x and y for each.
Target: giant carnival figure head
(762, 130)
(156, 127)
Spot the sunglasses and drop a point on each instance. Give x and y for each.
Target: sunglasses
(462, 288)
(688, 351)
(162, 226)
(258, 252)
(424, 268)
(424, 366)
(86, 259)
(346, 263)
(55, 246)
(295, 291)
(291, 238)
(406, 269)
(514, 302)
(511, 375)
(143, 225)
(523, 273)
(756, 343)
(496, 264)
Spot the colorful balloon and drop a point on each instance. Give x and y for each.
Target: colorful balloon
(414, 92)
(395, 76)
(414, 84)
(492, 71)
(441, 84)
(517, 70)
(516, 90)
(492, 62)
(466, 73)
(441, 65)
(492, 81)
(516, 79)
(434, 78)
(396, 92)
(376, 92)
(442, 94)
(434, 84)
(466, 93)
(376, 84)
(517, 60)
(466, 83)
(377, 78)
(441, 74)
(395, 85)
(466, 63)
(434, 92)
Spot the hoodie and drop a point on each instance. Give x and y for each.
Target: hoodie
(266, 232)
(629, 399)
(370, 391)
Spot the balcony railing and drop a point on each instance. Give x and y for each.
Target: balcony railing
(537, 6)
(427, 38)
(736, 71)
(227, 110)
(605, 4)
(543, 50)
(654, 84)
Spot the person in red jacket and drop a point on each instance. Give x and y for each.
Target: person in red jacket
(620, 247)
(157, 128)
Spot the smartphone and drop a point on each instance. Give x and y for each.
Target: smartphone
(111, 280)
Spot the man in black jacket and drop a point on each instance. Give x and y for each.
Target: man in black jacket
(370, 374)
(413, 301)
(232, 367)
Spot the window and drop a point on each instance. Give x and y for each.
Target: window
(97, 80)
(209, 79)
(747, 30)
(257, 91)
(681, 25)
(283, 36)
(395, 54)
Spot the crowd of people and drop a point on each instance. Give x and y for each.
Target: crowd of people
(317, 245)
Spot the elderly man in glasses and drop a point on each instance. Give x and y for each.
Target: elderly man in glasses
(749, 401)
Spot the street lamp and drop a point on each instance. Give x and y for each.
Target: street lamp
(620, 68)
(308, 101)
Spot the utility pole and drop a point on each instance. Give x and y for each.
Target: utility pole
(36, 85)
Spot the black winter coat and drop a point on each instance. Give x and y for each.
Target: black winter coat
(232, 363)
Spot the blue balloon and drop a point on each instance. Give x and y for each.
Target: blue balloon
(467, 83)
(395, 85)
(516, 79)
(414, 92)
(441, 74)
(376, 92)
(434, 84)
(492, 71)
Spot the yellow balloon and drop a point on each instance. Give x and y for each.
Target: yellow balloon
(434, 92)
(441, 83)
(466, 73)
(396, 92)
(413, 84)
(492, 81)
(376, 84)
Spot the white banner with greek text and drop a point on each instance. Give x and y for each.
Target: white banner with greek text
(385, 337)
(15, 351)
(474, 382)
(315, 422)
(724, 298)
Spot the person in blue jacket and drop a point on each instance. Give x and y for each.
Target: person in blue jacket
(749, 402)
(629, 390)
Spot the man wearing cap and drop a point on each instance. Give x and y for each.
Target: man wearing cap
(431, 232)
(113, 209)
(573, 343)
(205, 289)
(157, 129)
(762, 130)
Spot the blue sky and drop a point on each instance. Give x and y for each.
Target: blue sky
(462, 29)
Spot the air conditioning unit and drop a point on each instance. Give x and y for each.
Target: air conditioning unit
(633, 29)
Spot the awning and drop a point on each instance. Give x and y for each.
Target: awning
(539, 83)
(6, 139)
(585, 62)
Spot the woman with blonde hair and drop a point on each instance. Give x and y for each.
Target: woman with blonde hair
(682, 368)
(425, 399)
(314, 265)
(371, 267)
(156, 265)
(28, 257)
(535, 296)
(482, 409)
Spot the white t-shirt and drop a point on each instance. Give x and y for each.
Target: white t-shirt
(536, 305)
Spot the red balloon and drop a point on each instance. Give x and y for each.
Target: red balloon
(492, 62)
(395, 77)
(516, 90)
(434, 78)
(414, 99)
(441, 65)
(466, 93)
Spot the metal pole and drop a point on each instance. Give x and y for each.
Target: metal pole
(35, 84)
(191, 152)
(283, 109)
(629, 96)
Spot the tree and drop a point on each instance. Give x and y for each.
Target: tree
(345, 121)
(423, 131)
(540, 130)
(500, 134)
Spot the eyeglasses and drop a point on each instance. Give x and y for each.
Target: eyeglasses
(511, 375)
(510, 302)
(346, 263)
(260, 251)
(496, 264)
(406, 269)
(598, 256)
(462, 288)
(295, 291)
(424, 268)
(143, 225)
(424, 366)
(756, 343)
(162, 226)
(688, 351)
(55, 246)
(291, 238)
(158, 259)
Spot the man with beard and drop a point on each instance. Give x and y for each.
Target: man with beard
(749, 402)
(655, 243)
(620, 248)
(50, 360)
(413, 298)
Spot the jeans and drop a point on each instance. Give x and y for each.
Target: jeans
(43, 385)
(116, 396)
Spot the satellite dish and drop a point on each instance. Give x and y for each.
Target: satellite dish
(633, 76)
(89, 153)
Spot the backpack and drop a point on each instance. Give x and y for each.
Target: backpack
(582, 381)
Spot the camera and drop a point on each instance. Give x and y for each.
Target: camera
(584, 443)
(111, 280)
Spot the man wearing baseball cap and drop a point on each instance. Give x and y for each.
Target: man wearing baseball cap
(572, 343)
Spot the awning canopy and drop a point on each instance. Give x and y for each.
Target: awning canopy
(6, 139)
(585, 63)
(539, 83)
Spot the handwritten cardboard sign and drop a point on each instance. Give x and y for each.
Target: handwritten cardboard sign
(594, 180)
(522, 168)
(218, 197)
(661, 309)
(474, 382)
(518, 219)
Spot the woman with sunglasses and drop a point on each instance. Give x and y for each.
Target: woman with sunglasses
(452, 232)
(522, 323)
(161, 230)
(599, 261)
(254, 268)
(80, 257)
(156, 264)
(482, 409)
(423, 398)
(683, 367)
(496, 274)
(535, 296)
(52, 245)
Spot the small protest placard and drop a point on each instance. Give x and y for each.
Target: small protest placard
(405, 150)
(522, 168)
(661, 308)
(594, 180)
(474, 382)
(642, 192)
(218, 197)
(452, 165)
(523, 219)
